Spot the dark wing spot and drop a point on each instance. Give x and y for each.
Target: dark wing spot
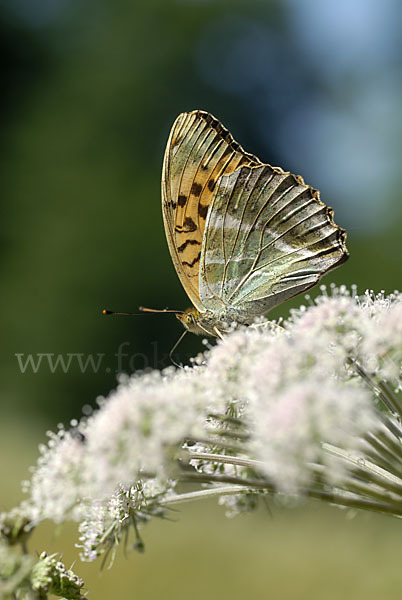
(225, 155)
(211, 184)
(196, 189)
(203, 210)
(182, 199)
(189, 225)
(188, 243)
(220, 129)
(208, 119)
(197, 258)
(331, 250)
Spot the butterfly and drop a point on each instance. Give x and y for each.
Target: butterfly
(243, 236)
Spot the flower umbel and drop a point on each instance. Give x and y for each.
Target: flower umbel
(311, 408)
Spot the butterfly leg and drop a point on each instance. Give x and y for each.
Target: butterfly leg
(272, 323)
(217, 332)
(174, 348)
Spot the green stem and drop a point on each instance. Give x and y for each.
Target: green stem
(236, 435)
(226, 459)
(359, 486)
(213, 478)
(216, 444)
(379, 460)
(227, 419)
(387, 455)
(360, 503)
(333, 498)
(389, 394)
(392, 427)
(370, 491)
(379, 388)
(368, 470)
(228, 490)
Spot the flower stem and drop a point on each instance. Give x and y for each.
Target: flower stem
(255, 485)
(227, 419)
(219, 443)
(380, 389)
(227, 490)
(224, 458)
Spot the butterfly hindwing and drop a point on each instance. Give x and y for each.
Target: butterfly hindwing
(198, 153)
(268, 237)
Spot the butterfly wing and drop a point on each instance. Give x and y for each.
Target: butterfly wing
(198, 152)
(268, 237)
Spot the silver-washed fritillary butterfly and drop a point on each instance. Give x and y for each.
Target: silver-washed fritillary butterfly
(243, 236)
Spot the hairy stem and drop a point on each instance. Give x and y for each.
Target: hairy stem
(255, 485)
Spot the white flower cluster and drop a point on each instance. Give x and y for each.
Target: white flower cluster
(103, 521)
(50, 576)
(133, 435)
(24, 576)
(381, 346)
(57, 481)
(261, 409)
(138, 425)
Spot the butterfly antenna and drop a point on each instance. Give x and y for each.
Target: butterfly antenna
(174, 348)
(113, 312)
(162, 310)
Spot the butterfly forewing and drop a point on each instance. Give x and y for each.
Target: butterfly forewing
(268, 237)
(198, 153)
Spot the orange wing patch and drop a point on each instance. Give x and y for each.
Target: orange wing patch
(199, 151)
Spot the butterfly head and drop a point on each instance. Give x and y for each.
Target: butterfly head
(190, 319)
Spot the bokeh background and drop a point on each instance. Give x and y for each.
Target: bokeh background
(90, 90)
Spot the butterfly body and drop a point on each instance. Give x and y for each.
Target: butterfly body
(244, 236)
(211, 323)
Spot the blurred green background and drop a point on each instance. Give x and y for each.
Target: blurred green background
(90, 90)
